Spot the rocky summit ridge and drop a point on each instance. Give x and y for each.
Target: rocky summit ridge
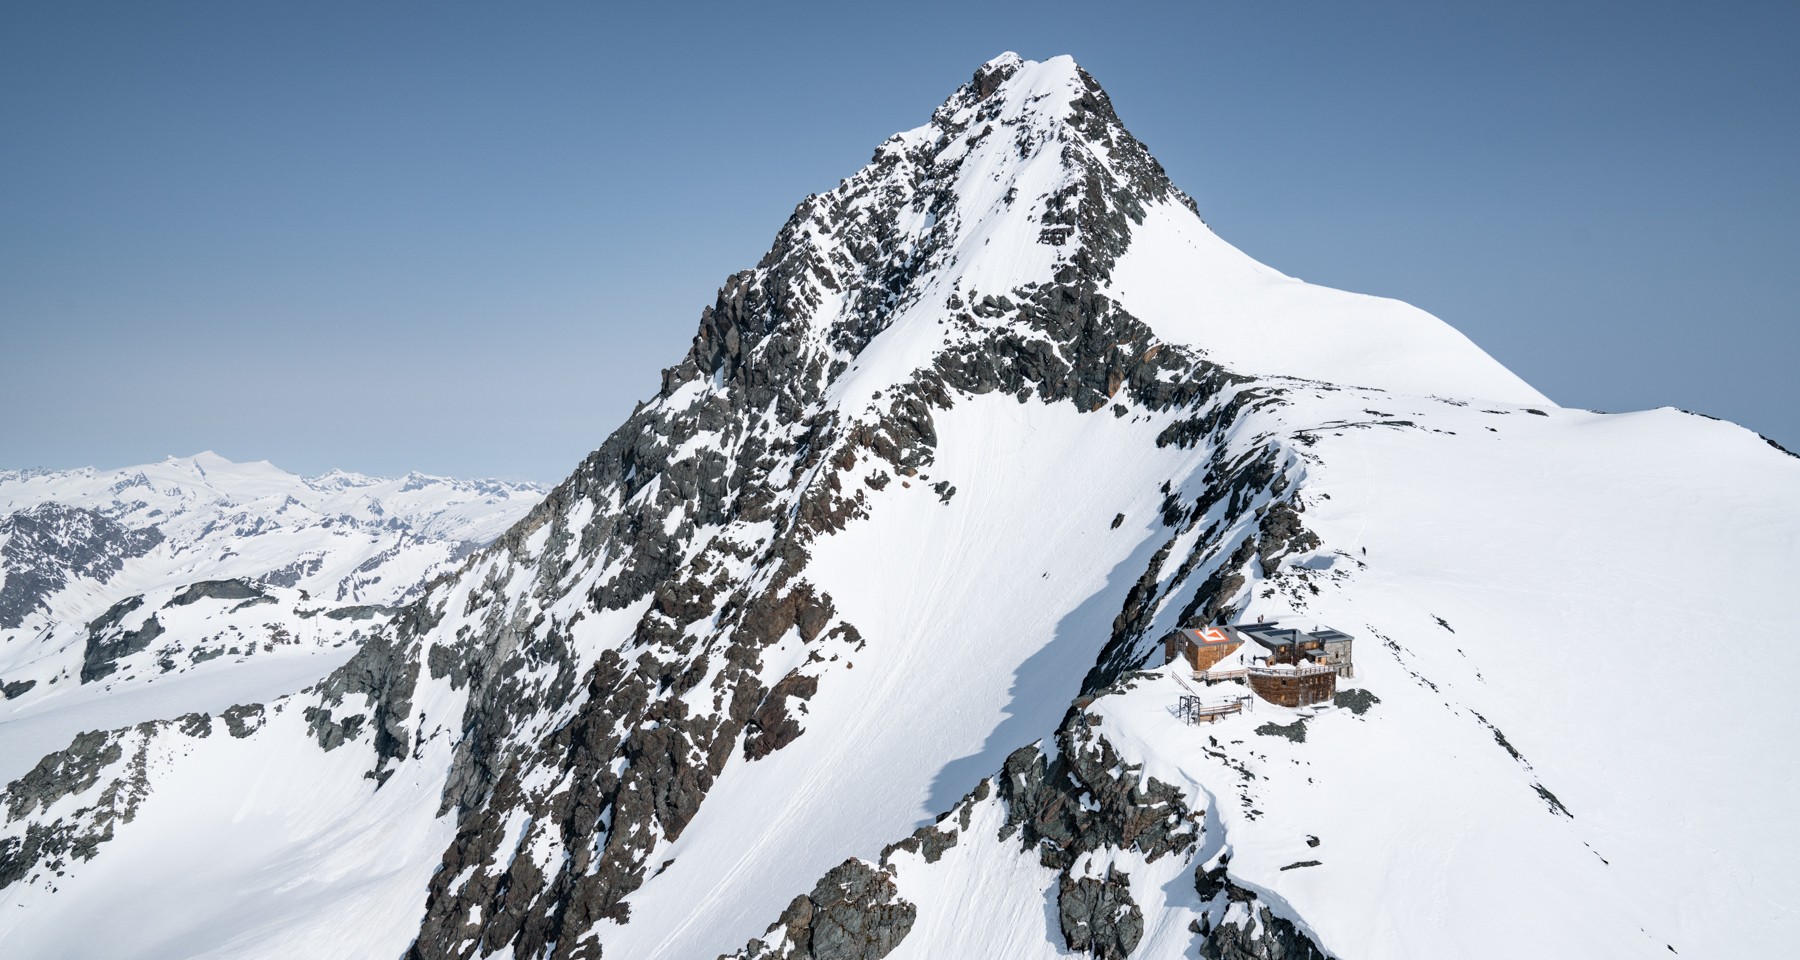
(846, 643)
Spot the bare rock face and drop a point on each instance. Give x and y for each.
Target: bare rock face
(216, 590)
(1046, 808)
(853, 914)
(1238, 925)
(108, 641)
(1258, 934)
(104, 771)
(1098, 915)
(51, 542)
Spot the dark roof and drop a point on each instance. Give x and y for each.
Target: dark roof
(1280, 638)
(1273, 631)
(1259, 629)
(1273, 634)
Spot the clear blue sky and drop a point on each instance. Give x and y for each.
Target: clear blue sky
(465, 238)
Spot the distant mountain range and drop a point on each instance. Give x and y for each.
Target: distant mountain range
(119, 580)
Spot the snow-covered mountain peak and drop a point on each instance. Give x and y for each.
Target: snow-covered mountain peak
(848, 627)
(1025, 179)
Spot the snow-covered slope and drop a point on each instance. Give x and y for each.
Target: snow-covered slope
(197, 583)
(896, 542)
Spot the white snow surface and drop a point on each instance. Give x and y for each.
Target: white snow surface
(1192, 287)
(1572, 622)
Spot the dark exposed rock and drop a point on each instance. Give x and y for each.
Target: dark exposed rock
(1088, 798)
(333, 732)
(772, 727)
(196, 725)
(43, 547)
(1282, 533)
(384, 676)
(1295, 731)
(1085, 800)
(108, 642)
(370, 611)
(1098, 916)
(1238, 925)
(1258, 935)
(117, 758)
(1356, 701)
(244, 719)
(931, 841)
(854, 913)
(215, 590)
(16, 688)
(71, 770)
(290, 575)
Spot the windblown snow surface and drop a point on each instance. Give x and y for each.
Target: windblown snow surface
(846, 643)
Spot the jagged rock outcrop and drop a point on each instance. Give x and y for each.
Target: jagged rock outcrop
(1098, 915)
(853, 914)
(1238, 925)
(106, 771)
(108, 641)
(1086, 799)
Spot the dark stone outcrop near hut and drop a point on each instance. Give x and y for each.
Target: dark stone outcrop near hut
(1238, 925)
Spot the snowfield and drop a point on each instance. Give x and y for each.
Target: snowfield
(847, 643)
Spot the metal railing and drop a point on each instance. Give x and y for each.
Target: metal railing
(1301, 670)
(1193, 710)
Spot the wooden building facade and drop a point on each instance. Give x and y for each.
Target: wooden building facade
(1294, 686)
